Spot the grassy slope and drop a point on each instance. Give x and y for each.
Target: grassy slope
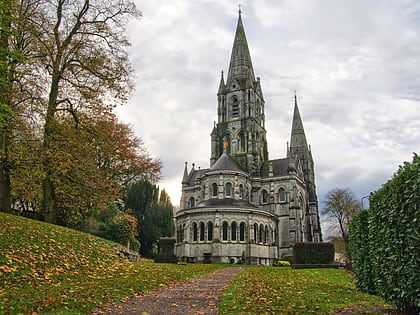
(279, 290)
(50, 269)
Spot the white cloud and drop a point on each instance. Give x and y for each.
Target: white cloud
(354, 64)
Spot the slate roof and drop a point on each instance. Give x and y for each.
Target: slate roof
(280, 166)
(225, 162)
(226, 202)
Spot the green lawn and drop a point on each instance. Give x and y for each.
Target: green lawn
(50, 269)
(280, 290)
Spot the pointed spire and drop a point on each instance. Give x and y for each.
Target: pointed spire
(298, 138)
(240, 66)
(221, 85)
(185, 179)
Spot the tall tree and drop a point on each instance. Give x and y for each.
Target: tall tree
(15, 50)
(154, 213)
(82, 46)
(341, 205)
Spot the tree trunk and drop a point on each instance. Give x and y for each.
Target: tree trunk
(49, 197)
(5, 188)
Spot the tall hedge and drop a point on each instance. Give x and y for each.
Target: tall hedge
(386, 248)
(360, 249)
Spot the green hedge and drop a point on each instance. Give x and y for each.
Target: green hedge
(385, 240)
(360, 251)
(313, 253)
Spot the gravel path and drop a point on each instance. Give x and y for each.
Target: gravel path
(199, 295)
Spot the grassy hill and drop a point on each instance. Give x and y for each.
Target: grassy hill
(50, 269)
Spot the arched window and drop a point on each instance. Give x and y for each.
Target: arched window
(266, 234)
(225, 231)
(241, 142)
(182, 232)
(233, 231)
(210, 231)
(214, 189)
(228, 190)
(264, 196)
(241, 192)
(242, 232)
(261, 234)
(255, 232)
(195, 232)
(201, 231)
(235, 107)
(282, 195)
(203, 192)
(192, 202)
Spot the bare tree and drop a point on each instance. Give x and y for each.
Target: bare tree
(340, 206)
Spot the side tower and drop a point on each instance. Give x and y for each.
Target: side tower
(241, 120)
(300, 151)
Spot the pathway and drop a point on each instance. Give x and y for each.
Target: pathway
(199, 295)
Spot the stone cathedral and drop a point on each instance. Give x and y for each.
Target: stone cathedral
(246, 208)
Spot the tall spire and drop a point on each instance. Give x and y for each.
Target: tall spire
(185, 179)
(221, 85)
(297, 140)
(240, 66)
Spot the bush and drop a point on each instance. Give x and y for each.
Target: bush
(123, 228)
(283, 263)
(288, 257)
(313, 253)
(388, 264)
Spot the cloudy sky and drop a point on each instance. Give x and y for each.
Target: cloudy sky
(354, 64)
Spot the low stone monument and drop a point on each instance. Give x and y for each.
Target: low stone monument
(166, 251)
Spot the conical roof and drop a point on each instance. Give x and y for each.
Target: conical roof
(225, 162)
(298, 138)
(240, 66)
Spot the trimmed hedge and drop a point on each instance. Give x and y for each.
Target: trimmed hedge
(313, 253)
(385, 240)
(360, 251)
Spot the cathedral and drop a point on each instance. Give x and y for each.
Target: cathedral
(246, 208)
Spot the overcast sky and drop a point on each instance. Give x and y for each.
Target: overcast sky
(354, 64)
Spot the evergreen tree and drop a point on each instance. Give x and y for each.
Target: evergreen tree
(154, 212)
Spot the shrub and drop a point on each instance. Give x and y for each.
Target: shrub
(288, 257)
(283, 263)
(389, 265)
(313, 253)
(123, 228)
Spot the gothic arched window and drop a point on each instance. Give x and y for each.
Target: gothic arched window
(225, 231)
(233, 231)
(255, 232)
(214, 189)
(266, 235)
(195, 232)
(235, 107)
(264, 196)
(228, 190)
(261, 234)
(201, 231)
(241, 192)
(242, 232)
(282, 195)
(210, 231)
(242, 144)
(192, 202)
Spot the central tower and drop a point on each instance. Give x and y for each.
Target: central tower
(240, 111)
